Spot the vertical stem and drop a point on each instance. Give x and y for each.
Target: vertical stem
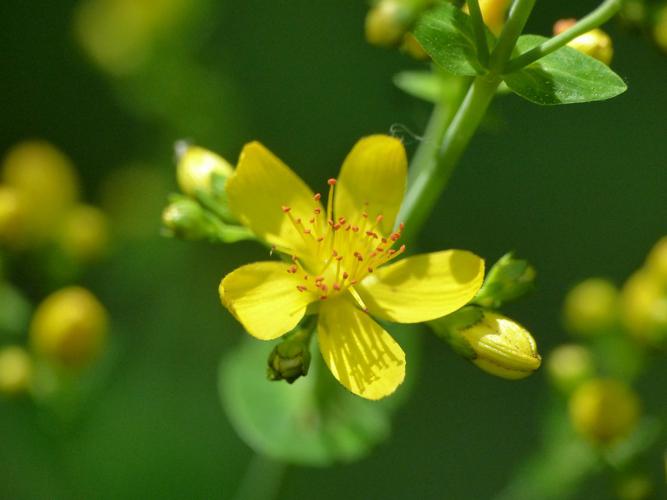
(480, 31)
(262, 479)
(428, 181)
(515, 23)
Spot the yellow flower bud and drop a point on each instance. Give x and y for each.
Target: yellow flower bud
(644, 308)
(494, 13)
(69, 328)
(46, 182)
(591, 307)
(196, 167)
(656, 262)
(495, 343)
(569, 366)
(85, 233)
(15, 371)
(413, 48)
(595, 43)
(660, 28)
(12, 216)
(387, 22)
(604, 410)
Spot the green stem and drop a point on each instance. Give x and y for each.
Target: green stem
(429, 176)
(262, 479)
(510, 34)
(596, 18)
(480, 31)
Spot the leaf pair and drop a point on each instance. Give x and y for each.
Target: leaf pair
(565, 76)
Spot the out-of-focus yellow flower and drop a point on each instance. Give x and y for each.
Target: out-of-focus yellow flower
(85, 233)
(591, 307)
(120, 35)
(595, 43)
(387, 22)
(660, 28)
(604, 410)
(413, 48)
(656, 262)
(339, 262)
(69, 328)
(11, 216)
(569, 366)
(196, 168)
(15, 371)
(644, 307)
(47, 184)
(494, 13)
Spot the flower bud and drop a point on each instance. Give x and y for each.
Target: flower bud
(413, 48)
(197, 168)
(568, 366)
(494, 13)
(387, 22)
(12, 215)
(85, 233)
(604, 410)
(495, 343)
(69, 328)
(186, 219)
(595, 43)
(290, 359)
(47, 184)
(591, 307)
(15, 371)
(508, 279)
(644, 308)
(656, 262)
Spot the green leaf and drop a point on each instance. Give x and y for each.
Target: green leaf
(446, 35)
(314, 421)
(565, 76)
(420, 84)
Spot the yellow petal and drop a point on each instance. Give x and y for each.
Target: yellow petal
(264, 298)
(359, 353)
(423, 287)
(375, 172)
(260, 187)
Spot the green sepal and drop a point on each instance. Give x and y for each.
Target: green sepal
(446, 34)
(448, 328)
(565, 76)
(507, 280)
(424, 85)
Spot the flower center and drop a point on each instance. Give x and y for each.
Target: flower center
(342, 248)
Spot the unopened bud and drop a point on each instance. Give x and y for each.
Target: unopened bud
(186, 219)
(644, 308)
(198, 168)
(568, 366)
(387, 22)
(290, 359)
(85, 233)
(604, 410)
(591, 307)
(507, 280)
(495, 343)
(595, 43)
(15, 371)
(69, 328)
(494, 13)
(12, 215)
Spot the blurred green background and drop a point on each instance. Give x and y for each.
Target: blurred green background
(578, 190)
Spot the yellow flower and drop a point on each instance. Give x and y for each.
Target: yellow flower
(338, 262)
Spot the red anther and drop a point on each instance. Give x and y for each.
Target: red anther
(364, 215)
(331, 182)
(384, 240)
(402, 249)
(339, 258)
(312, 221)
(336, 226)
(334, 253)
(305, 276)
(285, 208)
(323, 297)
(324, 288)
(355, 229)
(395, 236)
(306, 231)
(391, 251)
(365, 309)
(360, 258)
(348, 227)
(301, 288)
(401, 226)
(294, 258)
(379, 218)
(319, 278)
(373, 255)
(298, 220)
(292, 269)
(317, 197)
(380, 249)
(320, 239)
(353, 282)
(330, 222)
(345, 275)
(317, 211)
(341, 221)
(336, 287)
(370, 269)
